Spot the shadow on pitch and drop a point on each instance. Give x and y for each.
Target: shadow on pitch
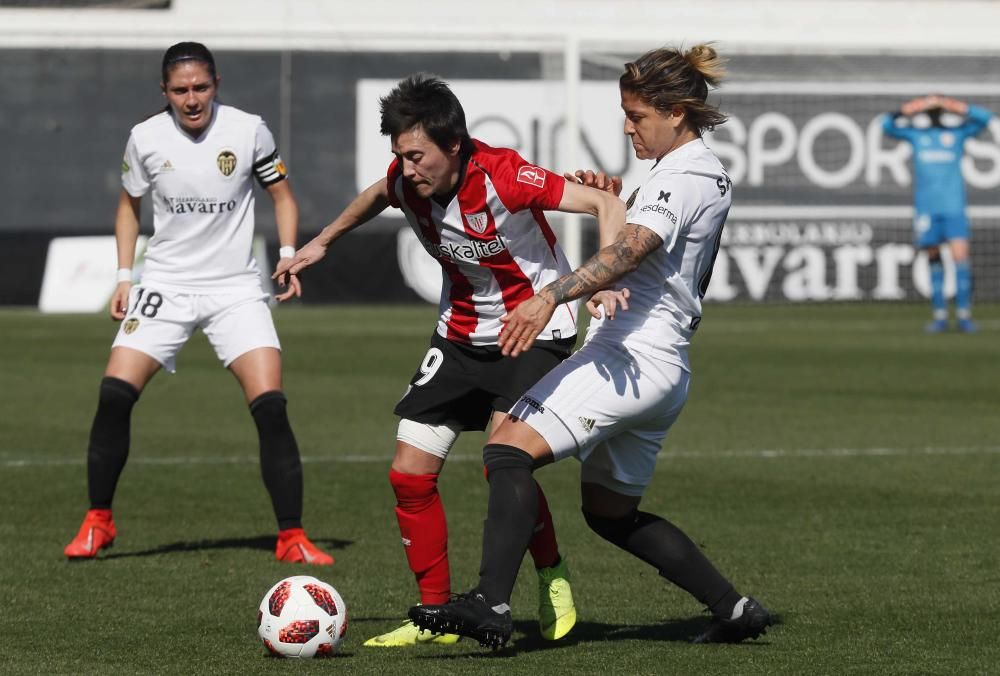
(527, 639)
(674, 630)
(259, 542)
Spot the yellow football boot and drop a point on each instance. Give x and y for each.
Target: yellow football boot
(408, 634)
(556, 612)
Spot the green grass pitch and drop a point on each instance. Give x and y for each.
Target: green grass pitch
(833, 460)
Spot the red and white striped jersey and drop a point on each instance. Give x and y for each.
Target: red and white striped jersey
(493, 243)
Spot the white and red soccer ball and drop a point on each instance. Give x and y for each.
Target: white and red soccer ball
(302, 617)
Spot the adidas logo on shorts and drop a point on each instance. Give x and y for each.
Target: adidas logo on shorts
(586, 423)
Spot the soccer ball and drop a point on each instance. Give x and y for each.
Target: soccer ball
(302, 617)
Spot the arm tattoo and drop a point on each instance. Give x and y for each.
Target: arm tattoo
(607, 266)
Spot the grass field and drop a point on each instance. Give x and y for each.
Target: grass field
(834, 461)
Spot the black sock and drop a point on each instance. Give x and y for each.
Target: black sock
(510, 519)
(665, 547)
(280, 464)
(109, 440)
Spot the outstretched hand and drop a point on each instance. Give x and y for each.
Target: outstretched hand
(523, 324)
(287, 270)
(599, 180)
(293, 287)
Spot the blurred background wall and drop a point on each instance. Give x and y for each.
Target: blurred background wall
(822, 200)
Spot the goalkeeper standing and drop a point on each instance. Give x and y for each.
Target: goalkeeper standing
(936, 127)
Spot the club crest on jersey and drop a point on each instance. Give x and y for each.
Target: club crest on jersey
(478, 222)
(226, 162)
(531, 175)
(130, 326)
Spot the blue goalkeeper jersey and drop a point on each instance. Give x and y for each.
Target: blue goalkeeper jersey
(938, 186)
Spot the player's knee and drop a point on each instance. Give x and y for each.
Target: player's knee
(960, 252)
(117, 394)
(270, 402)
(279, 452)
(269, 411)
(413, 491)
(434, 439)
(110, 431)
(615, 530)
(498, 457)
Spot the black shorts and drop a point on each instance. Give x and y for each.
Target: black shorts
(463, 385)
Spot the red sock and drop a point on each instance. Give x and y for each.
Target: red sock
(424, 530)
(543, 546)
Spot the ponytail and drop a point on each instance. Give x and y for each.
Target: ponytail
(666, 77)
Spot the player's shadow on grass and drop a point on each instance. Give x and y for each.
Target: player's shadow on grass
(259, 542)
(528, 640)
(674, 630)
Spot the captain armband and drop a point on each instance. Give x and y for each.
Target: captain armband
(270, 170)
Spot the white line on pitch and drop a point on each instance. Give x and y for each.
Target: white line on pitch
(760, 454)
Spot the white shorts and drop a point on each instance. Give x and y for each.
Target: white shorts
(159, 323)
(609, 407)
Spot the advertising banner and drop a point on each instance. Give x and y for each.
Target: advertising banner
(822, 201)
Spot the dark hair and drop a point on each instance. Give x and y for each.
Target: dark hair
(187, 51)
(665, 77)
(426, 101)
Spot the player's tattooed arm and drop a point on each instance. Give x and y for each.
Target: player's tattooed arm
(606, 267)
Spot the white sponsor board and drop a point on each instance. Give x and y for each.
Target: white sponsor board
(819, 262)
(421, 272)
(822, 142)
(822, 199)
(80, 272)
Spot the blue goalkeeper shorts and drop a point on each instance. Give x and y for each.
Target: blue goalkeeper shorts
(934, 229)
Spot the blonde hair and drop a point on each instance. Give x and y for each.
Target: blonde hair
(666, 77)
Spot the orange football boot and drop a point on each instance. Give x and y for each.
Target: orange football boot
(96, 533)
(294, 547)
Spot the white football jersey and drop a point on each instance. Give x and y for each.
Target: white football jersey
(685, 200)
(203, 217)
